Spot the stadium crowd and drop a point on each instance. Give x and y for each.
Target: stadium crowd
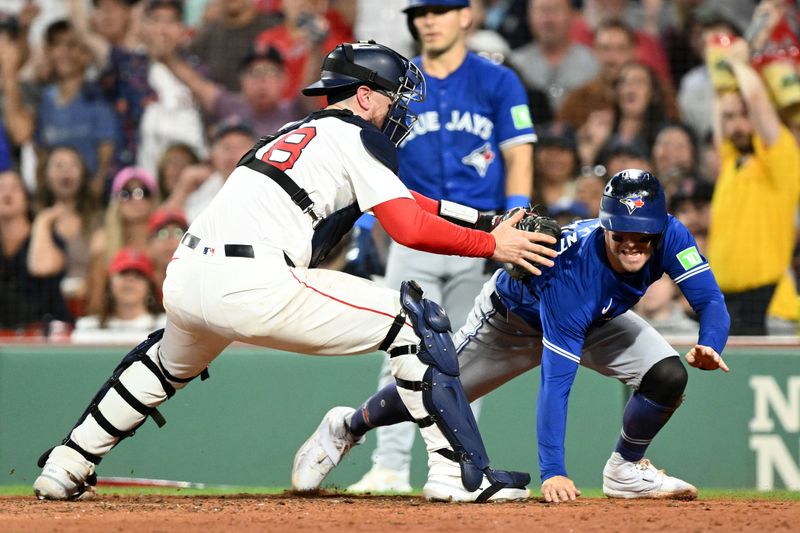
(123, 118)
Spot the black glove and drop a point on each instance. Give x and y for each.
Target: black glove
(534, 222)
(487, 223)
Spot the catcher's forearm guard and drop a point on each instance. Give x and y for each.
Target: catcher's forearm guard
(535, 223)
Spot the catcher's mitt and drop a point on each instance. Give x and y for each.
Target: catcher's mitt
(534, 222)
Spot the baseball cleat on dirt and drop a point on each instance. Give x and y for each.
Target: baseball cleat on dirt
(382, 479)
(323, 450)
(64, 476)
(640, 479)
(444, 485)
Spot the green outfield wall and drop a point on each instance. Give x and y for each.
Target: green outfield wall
(242, 426)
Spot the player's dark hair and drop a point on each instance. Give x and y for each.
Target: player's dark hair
(712, 18)
(55, 29)
(616, 148)
(616, 24)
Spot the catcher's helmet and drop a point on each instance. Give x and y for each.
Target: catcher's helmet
(413, 5)
(634, 201)
(368, 63)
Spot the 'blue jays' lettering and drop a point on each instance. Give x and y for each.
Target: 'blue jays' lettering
(463, 124)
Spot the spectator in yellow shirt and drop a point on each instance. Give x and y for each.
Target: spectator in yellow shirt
(753, 209)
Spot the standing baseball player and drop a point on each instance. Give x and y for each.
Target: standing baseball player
(471, 145)
(578, 313)
(245, 271)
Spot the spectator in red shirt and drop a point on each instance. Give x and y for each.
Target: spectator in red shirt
(308, 31)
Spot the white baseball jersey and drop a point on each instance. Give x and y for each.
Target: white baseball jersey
(326, 157)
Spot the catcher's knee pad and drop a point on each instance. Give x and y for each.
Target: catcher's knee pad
(137, 386)
(435, 376)
(665, 382)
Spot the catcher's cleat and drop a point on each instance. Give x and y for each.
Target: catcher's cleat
(640, 479)
(323, 450)
(64, 476)
(444, 485)
(382, 479)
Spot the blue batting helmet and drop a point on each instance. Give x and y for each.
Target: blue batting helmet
(413, 5)
(634, 201)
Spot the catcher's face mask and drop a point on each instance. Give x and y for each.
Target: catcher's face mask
(400, 118)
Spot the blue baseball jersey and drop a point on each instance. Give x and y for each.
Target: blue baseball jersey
(582, 291)
(453, 151)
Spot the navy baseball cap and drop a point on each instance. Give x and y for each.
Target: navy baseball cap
(267, 53)
(231, 125)
(455, 4)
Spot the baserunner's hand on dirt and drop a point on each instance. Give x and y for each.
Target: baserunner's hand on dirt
(559, 489)
(520, 247)
(705, 358)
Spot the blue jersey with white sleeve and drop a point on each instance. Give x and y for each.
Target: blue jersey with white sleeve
(454, 149)
(582, 291)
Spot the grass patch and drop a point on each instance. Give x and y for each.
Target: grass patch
(742, 494)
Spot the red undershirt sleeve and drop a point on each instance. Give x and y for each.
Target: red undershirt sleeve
(415, 224)
(428, 204)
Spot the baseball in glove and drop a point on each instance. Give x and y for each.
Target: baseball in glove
(534, 222)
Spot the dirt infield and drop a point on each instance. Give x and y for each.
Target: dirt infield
(287, 512)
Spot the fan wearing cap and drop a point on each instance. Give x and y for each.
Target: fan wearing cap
(165, 227)
(134, 195)
(248, 270)
(131, 307)
(260, 102)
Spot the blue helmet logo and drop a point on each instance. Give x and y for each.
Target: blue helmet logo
(634, 201)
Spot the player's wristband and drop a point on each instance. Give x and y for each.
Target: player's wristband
(517, 200)
(458, 214)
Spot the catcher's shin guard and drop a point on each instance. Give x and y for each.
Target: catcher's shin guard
(429, 386)
(138, 385)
